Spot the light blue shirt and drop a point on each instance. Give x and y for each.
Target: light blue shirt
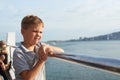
(23, 59)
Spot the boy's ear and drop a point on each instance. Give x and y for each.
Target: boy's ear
(22, 31)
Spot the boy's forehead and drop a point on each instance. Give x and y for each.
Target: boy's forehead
(36, 27)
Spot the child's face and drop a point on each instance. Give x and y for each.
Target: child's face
(33, 34)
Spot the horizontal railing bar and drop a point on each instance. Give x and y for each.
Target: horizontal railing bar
(112, 65)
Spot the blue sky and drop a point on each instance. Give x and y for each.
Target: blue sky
(63, 19)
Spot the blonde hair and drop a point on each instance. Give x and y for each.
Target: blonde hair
(30, 20)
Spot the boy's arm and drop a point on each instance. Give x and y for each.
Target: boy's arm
(31, 73)
(43, 52)
(52, 49)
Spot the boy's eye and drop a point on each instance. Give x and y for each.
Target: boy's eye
(40, 32)
(37, 32)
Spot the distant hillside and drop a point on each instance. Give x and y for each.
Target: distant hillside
(111, 36)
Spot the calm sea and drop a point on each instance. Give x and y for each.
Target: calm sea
(60, 70)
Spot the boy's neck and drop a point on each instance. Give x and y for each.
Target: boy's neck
(28, 46)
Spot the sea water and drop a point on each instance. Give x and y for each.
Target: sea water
(61, 70)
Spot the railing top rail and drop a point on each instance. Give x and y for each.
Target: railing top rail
(109, 64)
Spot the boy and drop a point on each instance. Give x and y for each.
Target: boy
(30, 56)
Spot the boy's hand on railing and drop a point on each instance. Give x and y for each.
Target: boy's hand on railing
(42, 53)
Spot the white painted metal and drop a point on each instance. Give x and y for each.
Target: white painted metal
(11, 42)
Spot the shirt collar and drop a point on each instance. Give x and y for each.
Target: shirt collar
(25, 48)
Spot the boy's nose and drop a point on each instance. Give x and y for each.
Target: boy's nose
(39, 34)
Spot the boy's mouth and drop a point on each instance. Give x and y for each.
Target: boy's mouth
(37, 38)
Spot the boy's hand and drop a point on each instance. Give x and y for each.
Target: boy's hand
(42, 53)
(49, 50)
